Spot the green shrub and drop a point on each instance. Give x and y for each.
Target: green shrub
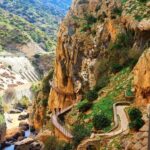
(84, 105)
(123, 41)
(116, 68)
(129, 92)
(142, 1)
(136, 124)
(79, 133)
(117, 11)
(138, 17)
(85, 27)
(91, 95)
(134, 113)
(68, 146)
(136, 119)
(101, 121)
(44, 102)
(52, 143)
(91, 19)
(101, 83)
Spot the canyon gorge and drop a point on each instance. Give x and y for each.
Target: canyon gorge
(90, 90)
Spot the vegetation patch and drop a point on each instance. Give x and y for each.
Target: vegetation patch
(114, 92)
(101, 121)
(91, 95)
(135, 116)
(52, 143)
(84, 105)
(79, 133)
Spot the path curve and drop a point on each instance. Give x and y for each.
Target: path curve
(123, 125)
(119, 116)
(119, 113)
(55, 122)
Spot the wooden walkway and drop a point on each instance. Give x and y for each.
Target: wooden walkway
(61, 128)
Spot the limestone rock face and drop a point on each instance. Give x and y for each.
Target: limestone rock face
(144, 25)
(142, 78)
(85, 38)
(78, 51)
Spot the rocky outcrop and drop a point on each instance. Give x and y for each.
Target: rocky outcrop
(142, 79)
(76, 54)
(87, 46)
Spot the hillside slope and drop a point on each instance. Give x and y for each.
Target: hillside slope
(45, 14)
(15, 30)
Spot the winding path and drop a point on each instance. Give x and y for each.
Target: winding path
(121, 125)
(123, 122)
(55, 122)
(120, 120)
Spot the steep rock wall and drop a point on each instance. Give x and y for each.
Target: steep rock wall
(142, 79)
(85, 38)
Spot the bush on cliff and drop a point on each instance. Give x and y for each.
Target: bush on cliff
(79, 133)
(143, 1)
(136, 124)
(101, 83)
(101, 121)
(84, 105)
(134, 113)
(135, 116)
(44, 102)
(52, 143)
(91, 95)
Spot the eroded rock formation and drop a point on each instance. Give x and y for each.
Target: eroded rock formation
(85, 42)
(142, 79)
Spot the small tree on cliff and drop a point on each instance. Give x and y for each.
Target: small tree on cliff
(134, 113)
(79, 133)
(101, 121)
(91, 95)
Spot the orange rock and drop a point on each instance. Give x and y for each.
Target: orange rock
(142, 79)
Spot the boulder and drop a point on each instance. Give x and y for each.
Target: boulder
(24, 144)
(23, 116)
(24, 126)
(36, 145)
(20, 138)
(14, 111)
(13, 134)
(144, 25)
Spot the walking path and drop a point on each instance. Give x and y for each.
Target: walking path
(121, 125)
(60, 127)
(123, 122)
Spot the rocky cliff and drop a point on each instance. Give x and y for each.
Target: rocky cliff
(97, 38)
(142, 79)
